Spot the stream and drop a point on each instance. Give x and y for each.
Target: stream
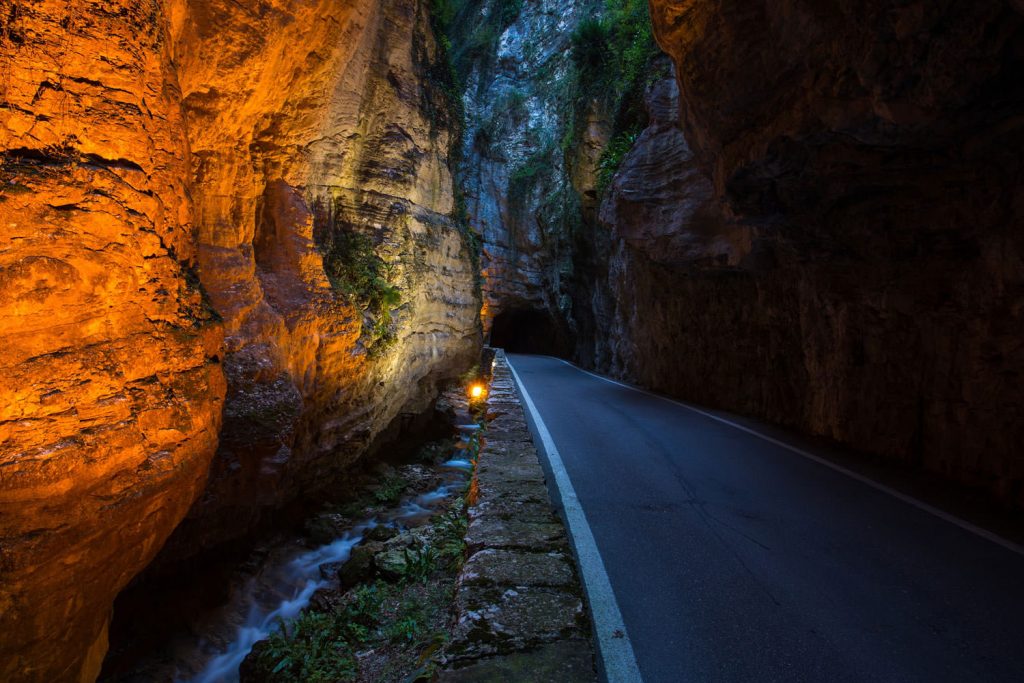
(279, 585)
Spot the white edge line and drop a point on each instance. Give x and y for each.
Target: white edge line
(615, 647)
(963, 524)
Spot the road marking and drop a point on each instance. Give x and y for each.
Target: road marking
(613, 641)
(963, 524)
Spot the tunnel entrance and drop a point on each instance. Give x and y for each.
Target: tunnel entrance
(530, 331)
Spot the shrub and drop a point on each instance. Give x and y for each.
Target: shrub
(590, 47)
(356, 271)
(313, 647)
(612, 56)
(611, 158)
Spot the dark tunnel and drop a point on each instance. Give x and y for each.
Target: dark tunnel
(530, 331)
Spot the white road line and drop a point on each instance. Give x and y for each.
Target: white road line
(963, 524)
(613, 641)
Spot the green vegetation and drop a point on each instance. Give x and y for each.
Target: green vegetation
(398, 621)
(525, 177)
(364, 278)
(419, 564)
(321, 647)
(313, 647)
(612, 55)
(390, 489)
(611, 158)
(468, 40)
(450, 536)
(409, 615)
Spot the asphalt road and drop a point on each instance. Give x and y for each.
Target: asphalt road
(735, 559)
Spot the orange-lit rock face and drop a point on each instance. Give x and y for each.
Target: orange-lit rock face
(308, 119)
(143, 140)
(111, 394)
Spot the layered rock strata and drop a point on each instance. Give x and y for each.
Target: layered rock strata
(821, 230)
(517, 184)
(310, 122)
(150, 147)
(111, 391)
(861, 275)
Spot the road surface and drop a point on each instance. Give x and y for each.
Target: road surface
(733, 558)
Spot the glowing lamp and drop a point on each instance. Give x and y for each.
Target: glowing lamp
(476, 391)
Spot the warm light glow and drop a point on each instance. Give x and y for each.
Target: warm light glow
(476, 391)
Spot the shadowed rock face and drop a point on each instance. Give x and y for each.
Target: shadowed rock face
(856, 270)
(147, 143)
(515, 179)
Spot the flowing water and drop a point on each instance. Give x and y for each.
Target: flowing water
(285, 583)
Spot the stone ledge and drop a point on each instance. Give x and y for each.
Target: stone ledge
(520, 613)
(564, 661)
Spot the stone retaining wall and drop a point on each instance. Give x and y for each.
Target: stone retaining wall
(520, 610)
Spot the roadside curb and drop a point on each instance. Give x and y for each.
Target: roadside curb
(520, 612)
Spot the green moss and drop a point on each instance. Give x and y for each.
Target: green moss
(612, 58)
(358, 273)
(528, 174)
(390, 489)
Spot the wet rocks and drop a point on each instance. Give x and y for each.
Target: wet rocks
(360, 566)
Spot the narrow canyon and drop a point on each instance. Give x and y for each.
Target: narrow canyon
(246, 246)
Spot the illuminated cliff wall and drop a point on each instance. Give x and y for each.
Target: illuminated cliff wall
(181, 183)
(112, 387)
(311, 122)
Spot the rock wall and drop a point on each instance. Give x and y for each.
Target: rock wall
(149, 147)
(850, 263)
(822, 230)
(517, 182)
(309, 120)
(112, 389)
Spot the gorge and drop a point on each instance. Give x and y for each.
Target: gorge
(247, 243)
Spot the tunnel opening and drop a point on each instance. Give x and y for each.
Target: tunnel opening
(530, 331)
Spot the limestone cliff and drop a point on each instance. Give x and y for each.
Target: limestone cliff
(111, 391)
(288, 157)
(311, 122)
(517, 182)
(818, 224)
(848, 259)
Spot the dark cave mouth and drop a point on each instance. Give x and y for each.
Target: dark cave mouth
(530, 330)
